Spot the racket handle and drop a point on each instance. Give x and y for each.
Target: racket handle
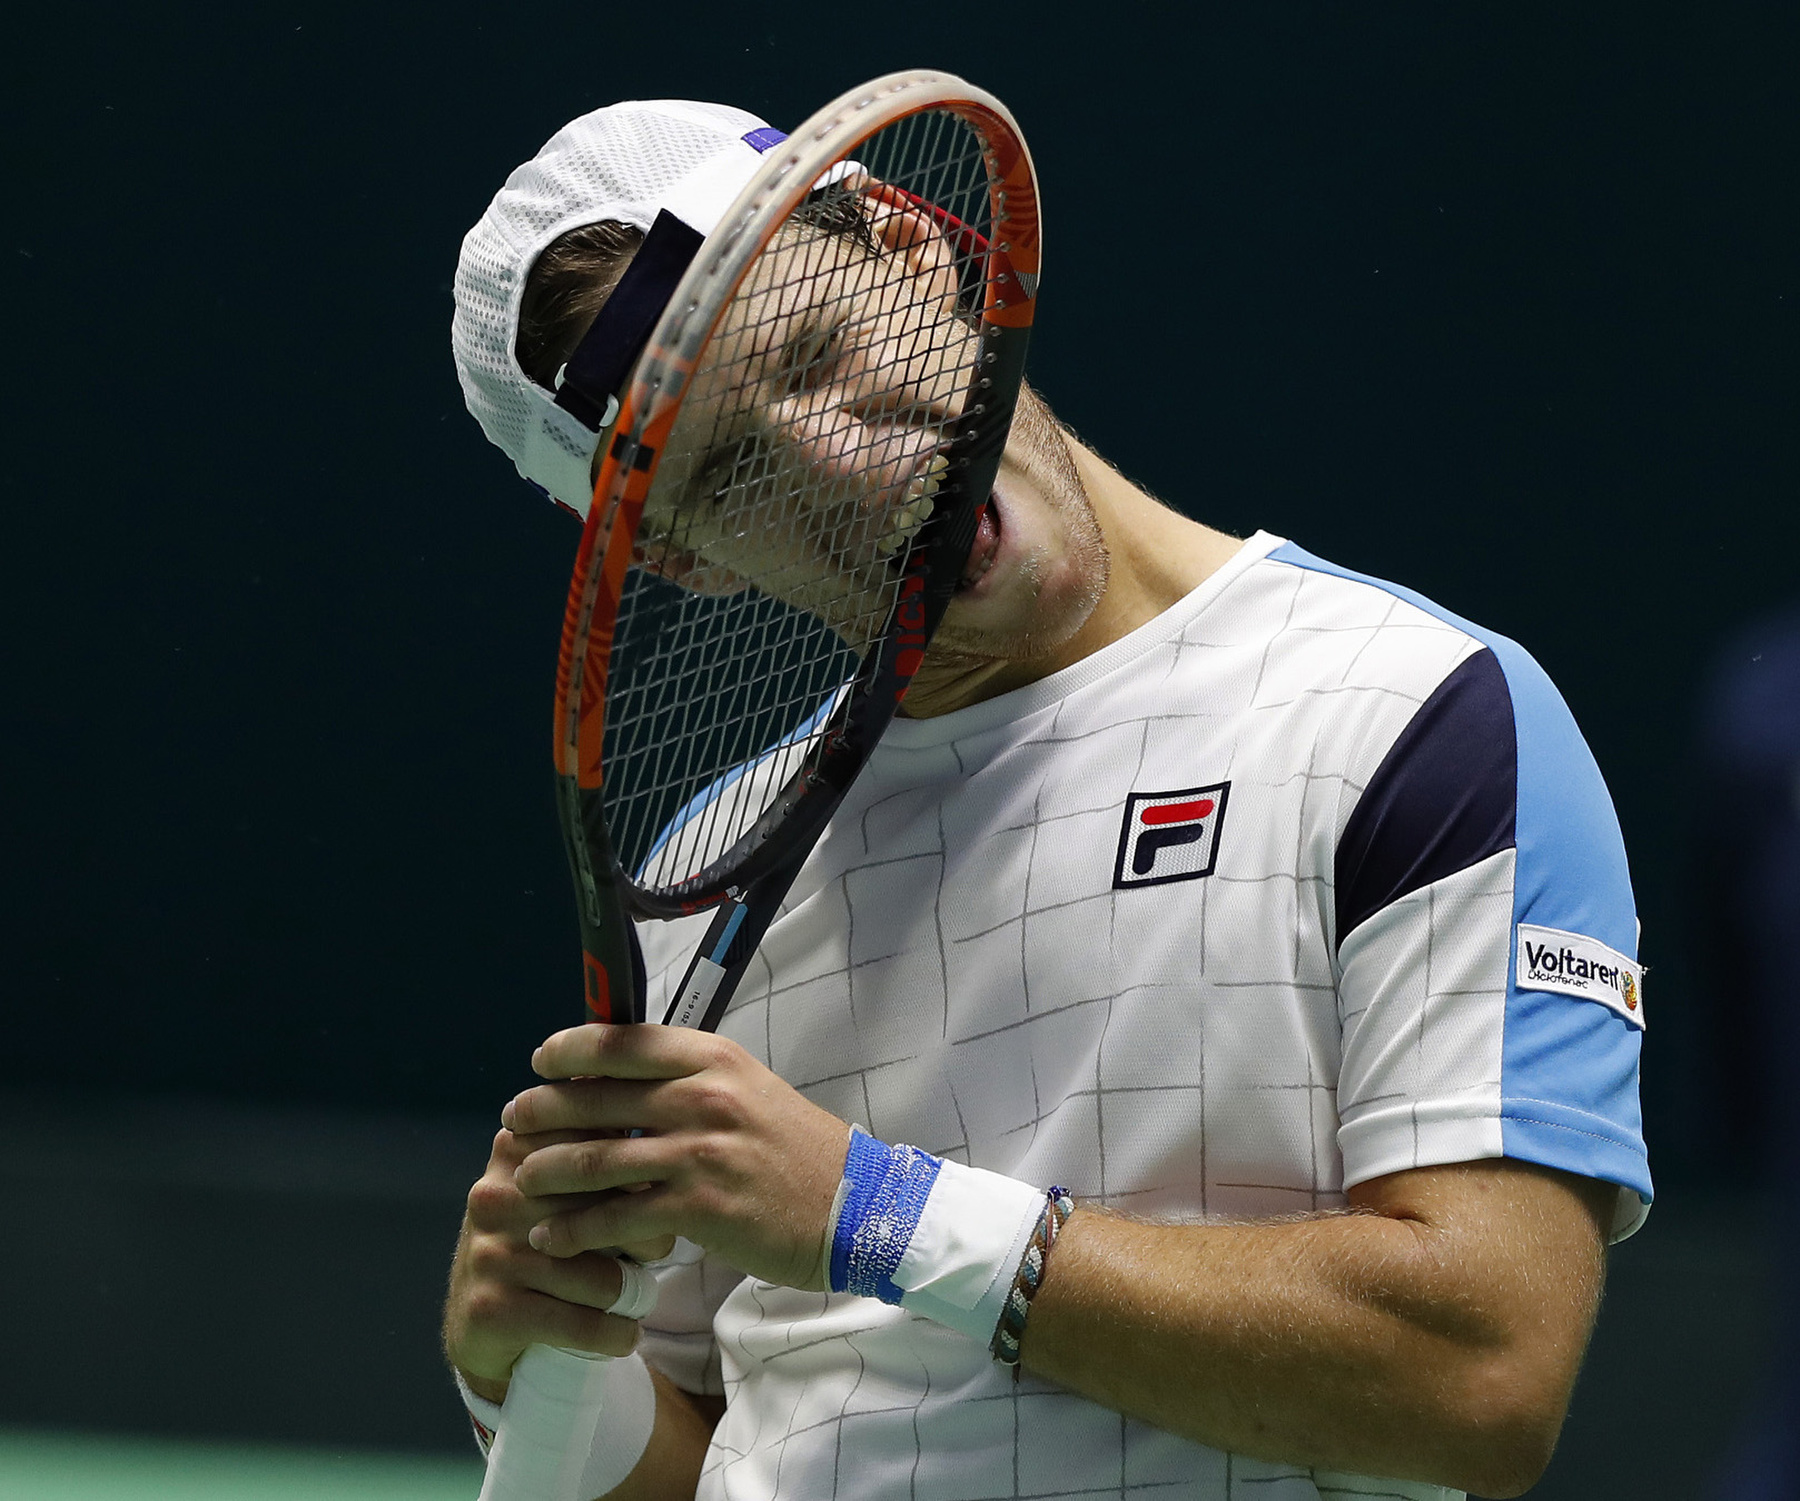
(547, 1426)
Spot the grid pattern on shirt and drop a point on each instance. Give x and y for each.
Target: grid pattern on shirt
(955, 969)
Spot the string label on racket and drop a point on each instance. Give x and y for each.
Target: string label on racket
(703, 982)
(709, 968)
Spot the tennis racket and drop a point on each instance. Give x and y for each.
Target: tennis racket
(785, 508)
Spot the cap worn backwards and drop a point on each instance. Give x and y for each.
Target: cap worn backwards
(629, 163)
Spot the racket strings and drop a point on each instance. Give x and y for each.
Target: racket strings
(803, 465)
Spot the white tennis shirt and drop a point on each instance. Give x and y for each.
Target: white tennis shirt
(1303, 882)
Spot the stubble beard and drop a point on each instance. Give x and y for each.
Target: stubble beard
(1048, 623)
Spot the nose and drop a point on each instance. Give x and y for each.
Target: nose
(866, 448)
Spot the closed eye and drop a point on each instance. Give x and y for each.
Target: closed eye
(809, 355)
(730, 466)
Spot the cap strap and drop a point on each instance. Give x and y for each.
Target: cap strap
(610, 347)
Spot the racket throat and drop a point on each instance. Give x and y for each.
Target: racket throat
(713, 972)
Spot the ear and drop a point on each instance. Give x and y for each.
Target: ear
(903, 228)
(687, 570)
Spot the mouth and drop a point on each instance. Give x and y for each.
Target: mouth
(984, 549)
(916, 505)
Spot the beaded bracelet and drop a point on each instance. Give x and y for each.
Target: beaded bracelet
(1011, 1329)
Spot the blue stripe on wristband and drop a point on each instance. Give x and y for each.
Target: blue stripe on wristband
(887, 1189)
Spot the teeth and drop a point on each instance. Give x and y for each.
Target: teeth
(904, 521)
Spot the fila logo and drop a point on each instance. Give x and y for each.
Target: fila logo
(1170, 836)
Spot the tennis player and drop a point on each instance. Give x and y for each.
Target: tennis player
(1199, 1060)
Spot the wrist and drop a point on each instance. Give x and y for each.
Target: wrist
(602, 1405)
(483, 1403)
(957, 1244)
(486, 1388)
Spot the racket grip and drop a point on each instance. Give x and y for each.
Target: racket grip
(547, 1426)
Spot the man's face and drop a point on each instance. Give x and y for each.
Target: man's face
(811, 444)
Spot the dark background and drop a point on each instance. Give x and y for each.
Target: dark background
(1497, 301)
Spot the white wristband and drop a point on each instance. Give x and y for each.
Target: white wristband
(959, 1264)
(608, 1405)
(623, 1432)
(485, 1415)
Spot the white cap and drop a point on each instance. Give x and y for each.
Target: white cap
(626, 163)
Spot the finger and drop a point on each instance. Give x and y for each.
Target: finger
(510, 1148)
(592, 1166)
(573, 1108)
(571, 1326)
(593, 1279)
(620, 1219)
(655, 1249)
(585, 1109)
(492, 1265)
(496, 1206)
(595, 1049)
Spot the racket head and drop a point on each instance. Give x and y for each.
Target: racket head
(848, 345)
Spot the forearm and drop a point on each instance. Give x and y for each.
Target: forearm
(1354, 1342)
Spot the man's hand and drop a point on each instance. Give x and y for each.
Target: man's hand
(729, 1155)
(504, 1295)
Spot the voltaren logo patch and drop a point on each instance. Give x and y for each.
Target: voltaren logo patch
(1573, 964)
(1170, 836)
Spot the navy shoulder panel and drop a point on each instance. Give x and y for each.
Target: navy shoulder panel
(1444, 797)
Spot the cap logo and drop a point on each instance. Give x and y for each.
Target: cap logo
(1170, 836)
